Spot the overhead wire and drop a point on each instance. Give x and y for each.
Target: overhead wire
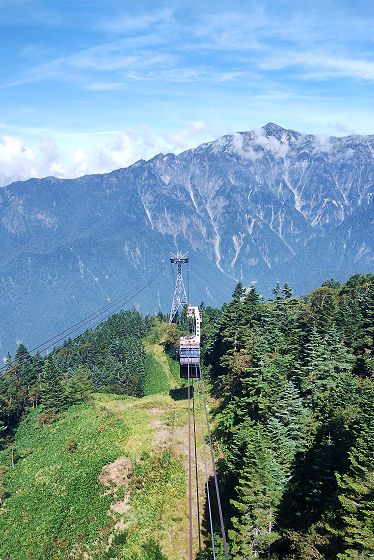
(86, 319)
(218, 498)
(54, 340)
(188, 282)
(190, 526)
(206, 470)
(222, 525)
(196, 474)
(112, 311)
(202, 409)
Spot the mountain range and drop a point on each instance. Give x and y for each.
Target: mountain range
(261, 206)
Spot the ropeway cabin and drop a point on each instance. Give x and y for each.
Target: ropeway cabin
(189, 348)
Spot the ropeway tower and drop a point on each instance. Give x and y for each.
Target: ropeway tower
(180, 297)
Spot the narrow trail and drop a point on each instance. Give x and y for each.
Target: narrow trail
(158, 430)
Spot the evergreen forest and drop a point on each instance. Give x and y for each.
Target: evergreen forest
(294, 382)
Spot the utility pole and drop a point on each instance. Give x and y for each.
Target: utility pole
(180, 296)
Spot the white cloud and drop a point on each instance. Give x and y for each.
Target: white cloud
(104, 86)
(322, 143)
(17, 161)
(183, 137)
(80, 154)
(277, 147)
(129, 23)
(341, 128)
(322, 64)
(245, 153)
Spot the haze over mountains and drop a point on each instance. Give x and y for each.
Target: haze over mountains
(261, 206)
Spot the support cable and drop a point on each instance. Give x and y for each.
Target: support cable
(86, 319)
(111, 312)
(89, 318)
(206, 469)
(196, 473)
(222, 525)
(189, 467)
(188, 283)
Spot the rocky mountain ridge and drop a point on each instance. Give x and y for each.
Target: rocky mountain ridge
(265, 205)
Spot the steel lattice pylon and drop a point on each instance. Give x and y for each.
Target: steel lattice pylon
(180, 297)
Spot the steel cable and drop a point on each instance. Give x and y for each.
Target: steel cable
(196, 473)
(189, 466)
(89, 318)
(206, 469)
(222, 525)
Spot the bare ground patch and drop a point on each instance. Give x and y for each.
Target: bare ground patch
(114, 477)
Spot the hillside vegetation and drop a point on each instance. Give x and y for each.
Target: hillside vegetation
(102, 479)
(296, 419)
(106, 480)
(94, 436)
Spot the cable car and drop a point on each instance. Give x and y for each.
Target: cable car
(189, 348)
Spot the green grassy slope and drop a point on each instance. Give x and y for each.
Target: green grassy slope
(107, 480)
(54, 499)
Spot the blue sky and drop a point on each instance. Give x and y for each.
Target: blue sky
(90, 86)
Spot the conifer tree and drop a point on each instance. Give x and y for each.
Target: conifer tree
(25, 366)
(277, 292)
(290, 414)
(232, 319)
(287, 291)
(7, 362)
(324, 305)
(79, 386)
(356, 495)
(22, 355)
(251, 309)
(326, 373)
(52, 393)
(257, 495)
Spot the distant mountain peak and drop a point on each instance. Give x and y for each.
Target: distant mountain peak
(271, 127)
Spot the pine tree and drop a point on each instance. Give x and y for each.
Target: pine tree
(8, 362)
(99, 377)
(256, 382)
(52, 392)
(324, 305)
(26, 366)
(287, 291)
(288, 426)
(277, 292)
(78, 387)
(326, 373)
(232, 319)
(356, 495)
(22, 355)
(251, 309)
(257, 495)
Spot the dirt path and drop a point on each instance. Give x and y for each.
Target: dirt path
(157, 428)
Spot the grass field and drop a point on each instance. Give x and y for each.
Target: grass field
(107, 480)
